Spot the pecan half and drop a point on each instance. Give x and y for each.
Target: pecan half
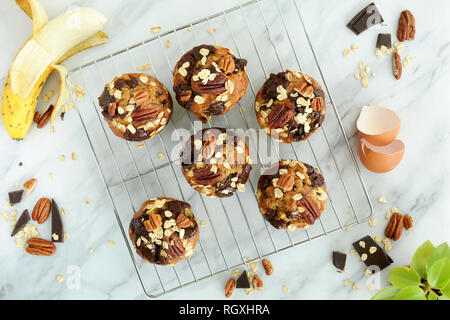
(40, 247)
(154, 222)
(227, 64)
(45, 117)
(36, 116)
(41, 210)
(216, 86)
(112, 109)
(406, 26)
(397, 65)
(185, 95)
(318, 104)
(407, 221)
(311, 211)
(286, 182)
(206, 177)
(257, 282)
(267, 266)
(229, 287)
(140, 97)
(183, 222)
(176, 250)
(394, 228)
(281, 114)
(149, 113)
(209, 146)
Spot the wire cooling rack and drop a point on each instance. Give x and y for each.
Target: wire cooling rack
(272, 36)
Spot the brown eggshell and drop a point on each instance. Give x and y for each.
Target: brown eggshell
(381, 158)
(378, 125)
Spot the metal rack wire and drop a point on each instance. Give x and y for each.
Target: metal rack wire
(236, 233)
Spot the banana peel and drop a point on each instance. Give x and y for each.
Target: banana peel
(41, 55)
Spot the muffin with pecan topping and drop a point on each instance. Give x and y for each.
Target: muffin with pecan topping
(291, 194)
(290, 106)
(209, 80)
(136, 106)
(164, 231)
(216, 162)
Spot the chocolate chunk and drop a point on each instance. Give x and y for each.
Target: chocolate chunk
(106, 99)
(242, 282)
(23, 220)
(216, 108)
(378, 257)
(15, 196)
(62, 115)
(119, 83)
(384, 39)
(339, 259)
(20, 164)
(366, 18)
(57, 224)
(133, 82)
(269, 90)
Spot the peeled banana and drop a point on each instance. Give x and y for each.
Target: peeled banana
(51, 42)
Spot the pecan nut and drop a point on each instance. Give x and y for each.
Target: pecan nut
(311, 211)
(175, 248)
(286, 182)
(206, 177)
(209, 146)
(36, 116)
(41, 210)
(229, 287)
(397, 65)
(257, 283)
(318, 104)
(112, 109)
(267, 266)
(140, 97)
(154, 222)
(394, 228)
(226, 64)
(40, 247)
(215, 86)
(45, 117)
(280, 115)
(183, 222)
(151, 112)
(407, 221)
(406, 26)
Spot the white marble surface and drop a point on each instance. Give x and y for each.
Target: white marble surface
(418, 186)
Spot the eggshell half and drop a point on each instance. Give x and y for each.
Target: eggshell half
(381, 158)
(378, 125)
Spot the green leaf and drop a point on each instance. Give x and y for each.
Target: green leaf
(419, 260)
(439, 273)
(443, 298)
(387, 293)
(403, 277)
(410, 293)
(446, 290)
(432, 296)
(441, 251)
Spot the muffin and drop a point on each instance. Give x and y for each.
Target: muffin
(290, 106)
(291, 194)
(216, 162)
(209, 80)
(164, 231)
(136, 106)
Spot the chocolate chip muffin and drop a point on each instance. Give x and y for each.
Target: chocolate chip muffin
(290, 106)
(291, 194)
(209, 80)
(164, 231)
(136, 106)
(216, 162)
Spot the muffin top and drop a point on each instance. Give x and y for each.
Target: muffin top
(136, 106)
(290, 106)
(209, 80)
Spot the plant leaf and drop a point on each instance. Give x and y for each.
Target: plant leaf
(443, 298)
(439, 273)
(410, 293)
(446, 290)
(402, 277)
(441, 251)
(419, 260)
(432, 296)
(387, 293)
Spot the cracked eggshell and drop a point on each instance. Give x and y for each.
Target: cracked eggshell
(381, 158)
(379, 126)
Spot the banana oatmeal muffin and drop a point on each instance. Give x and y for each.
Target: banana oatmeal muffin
(209, 80)
(216, 162)
(290, 106)
(291, 194)
(136, 106)
(164, 231)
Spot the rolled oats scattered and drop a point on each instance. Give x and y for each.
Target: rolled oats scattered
(362, 244)
(236, 273)
(203, 223)
(394, 210)
(372, 250)
(199, 99)
(87, 201)
(355, 286)
(51, 176)
(161, 155)
(111, 242)
(361, 65)
(155, 29)
(91, 250)
(59, 278)
(168, 43)
(140, 145)
(373, 222)
(354, 47)
(377, 238)
(74, 156)
(346, 52)
(356, 76)
(62, 158)
(144, 66)
(286, 289)
(365, 82)
(347, 282)
(382, 199)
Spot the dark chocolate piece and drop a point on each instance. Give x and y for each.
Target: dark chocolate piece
(15, 196)
(366, 18)
(339, 259)
(23, 220)
(57, 224)
(384, 39)
(378, 258)
(242, 282)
